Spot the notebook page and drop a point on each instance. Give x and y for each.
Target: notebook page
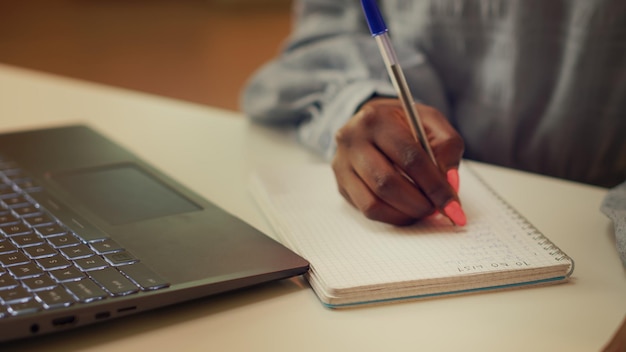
(347, 250)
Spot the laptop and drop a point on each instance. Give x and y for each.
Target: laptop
(89, 232)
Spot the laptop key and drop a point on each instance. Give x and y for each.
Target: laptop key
(50, 230)
(16, 258)
(65, 240)
(29, 239)
(6, 218)
(113, 281)
(7, 247)
(39, 283)
(27, 307)
(106, 246)
(40, 251)
(39, 220)
(67, 274)
(120, 258)
(54, 262)
(27, 210)
(23, 271)
(144, 277)
(15, 295)
(15, 201)
(28, 185)
(55, 298)
(7, 191)
(91, 263)
(76, 252)
(7, 282)
(16, 229)
(85, 290)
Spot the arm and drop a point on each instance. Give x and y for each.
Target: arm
(329, 67)
(329, 82)
(618, 341)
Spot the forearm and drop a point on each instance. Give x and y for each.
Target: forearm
(329, 67)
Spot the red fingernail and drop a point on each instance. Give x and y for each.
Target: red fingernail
(453, 179)
(454, 211)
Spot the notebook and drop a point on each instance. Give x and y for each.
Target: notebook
(89, 232)
(357, 261)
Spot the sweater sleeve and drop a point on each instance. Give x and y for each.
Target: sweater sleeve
(329, 66)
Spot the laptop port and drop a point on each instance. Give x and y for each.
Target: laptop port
(102, 315)
(126, 309)
(64, 320)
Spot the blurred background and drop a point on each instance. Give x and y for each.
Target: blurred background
(201, 51)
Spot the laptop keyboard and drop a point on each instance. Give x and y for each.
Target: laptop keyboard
(48, 261)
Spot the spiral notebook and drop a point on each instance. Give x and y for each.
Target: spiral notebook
(356, 261)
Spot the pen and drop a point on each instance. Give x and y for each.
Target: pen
(379, 32)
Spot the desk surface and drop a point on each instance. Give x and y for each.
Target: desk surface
(212, 151)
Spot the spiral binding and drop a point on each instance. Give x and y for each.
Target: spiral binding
(528, 227)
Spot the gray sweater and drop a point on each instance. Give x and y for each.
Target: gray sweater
(532, 84)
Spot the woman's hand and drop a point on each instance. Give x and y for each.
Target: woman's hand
(618, 341)
(385, 173)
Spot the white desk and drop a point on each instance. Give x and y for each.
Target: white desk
(211, 151)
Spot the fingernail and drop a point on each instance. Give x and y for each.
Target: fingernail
(454, 211)
(453, 179)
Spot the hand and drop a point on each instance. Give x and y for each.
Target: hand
(385, 173)
(618, 342)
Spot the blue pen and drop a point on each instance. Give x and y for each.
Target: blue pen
(379, 32)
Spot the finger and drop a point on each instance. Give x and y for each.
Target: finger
(446, 143)
(368, 203)
(415, 162)
(390, 185)
(409, 156)
(373, 169)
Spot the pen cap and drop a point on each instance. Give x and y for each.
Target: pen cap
(374, 17)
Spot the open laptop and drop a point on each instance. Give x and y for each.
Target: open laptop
(88, 233)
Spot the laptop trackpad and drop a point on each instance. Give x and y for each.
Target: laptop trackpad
(124, 193)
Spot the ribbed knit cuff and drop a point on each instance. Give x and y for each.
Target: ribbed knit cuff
(319, 135)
